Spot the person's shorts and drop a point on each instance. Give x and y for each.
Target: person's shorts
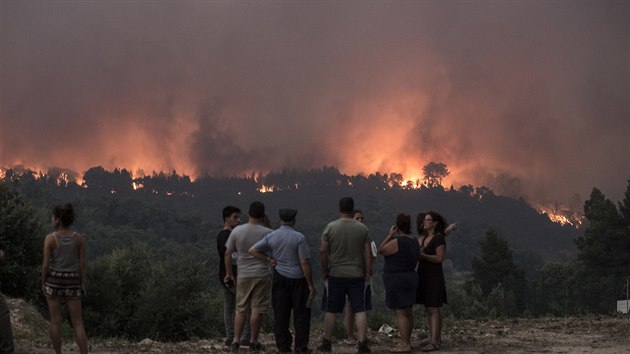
(254, 293)
(334, 297)
(62, 284)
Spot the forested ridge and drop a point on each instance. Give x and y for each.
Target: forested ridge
(152, 247)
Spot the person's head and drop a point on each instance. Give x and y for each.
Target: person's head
(231, 216)
(357, 215)
(63, 215)
(346, 205)
(257, 210)
(287, 216)
(403, 223)
(435, 221)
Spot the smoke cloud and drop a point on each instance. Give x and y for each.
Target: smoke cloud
(529, 98)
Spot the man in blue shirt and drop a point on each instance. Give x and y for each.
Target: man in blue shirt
(287, 251)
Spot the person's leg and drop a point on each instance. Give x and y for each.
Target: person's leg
(246, 330)
(6, 334)
(260, 304)
(301, 315)
(404, 326)
(239, 323)
(329, 324)
(254, 325)
(229, 306)
(348, 318)
(432, 316)
(74, 307)
(281, 300)
(439, 326)
(242, 305)
(54, 309)
(360, 319)
(356, 294)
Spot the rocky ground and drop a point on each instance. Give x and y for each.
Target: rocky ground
(590, 334)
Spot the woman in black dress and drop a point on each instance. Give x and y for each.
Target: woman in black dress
(400, 249)
(432, 289)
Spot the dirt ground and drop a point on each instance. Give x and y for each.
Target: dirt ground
(589, 334)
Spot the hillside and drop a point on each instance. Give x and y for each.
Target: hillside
(117, 209)
(591, 334)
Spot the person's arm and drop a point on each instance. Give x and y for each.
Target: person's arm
(228, 264)
(438, 257)
(256, 251)
(368, 258)
(47, 242)
(387, 248)
(452, 227)
(305, 264)
(230, 246)
(82, 259)
(323, 258)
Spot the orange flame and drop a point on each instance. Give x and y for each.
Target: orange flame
(266, 189)
(562, 216)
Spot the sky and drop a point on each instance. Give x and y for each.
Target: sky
(529, 98)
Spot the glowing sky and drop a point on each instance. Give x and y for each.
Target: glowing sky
(529, 98)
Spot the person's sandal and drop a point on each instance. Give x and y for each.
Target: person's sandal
(430, 348)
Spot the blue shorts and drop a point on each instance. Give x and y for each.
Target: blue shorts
(334, 297)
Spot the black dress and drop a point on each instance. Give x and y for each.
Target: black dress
(399, 276)
(431, 288)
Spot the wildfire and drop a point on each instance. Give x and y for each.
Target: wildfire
(266, 189)
(137, 185)
(3, 173)
(563, 216)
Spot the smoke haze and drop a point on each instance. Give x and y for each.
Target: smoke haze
(529, 98)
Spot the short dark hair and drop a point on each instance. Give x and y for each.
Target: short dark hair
(65, 214)
(346, 205)
(403, 223)
(229, 210)
(257, 210)
(356, 211)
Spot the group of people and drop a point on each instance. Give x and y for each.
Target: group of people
(274, 271)
(261, 268)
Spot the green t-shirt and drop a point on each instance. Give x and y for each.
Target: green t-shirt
(346, 247)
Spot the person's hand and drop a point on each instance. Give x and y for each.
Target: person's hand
(228, 281)
(368, 281)
(272, 262)
(311, 292)
(393, 230)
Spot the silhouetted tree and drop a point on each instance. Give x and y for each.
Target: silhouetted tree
(434, 172)
(21, 232)
(603, 251)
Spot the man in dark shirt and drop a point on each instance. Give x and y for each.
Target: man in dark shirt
(231, 218)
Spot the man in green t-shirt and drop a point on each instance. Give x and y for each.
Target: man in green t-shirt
(345, 256)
